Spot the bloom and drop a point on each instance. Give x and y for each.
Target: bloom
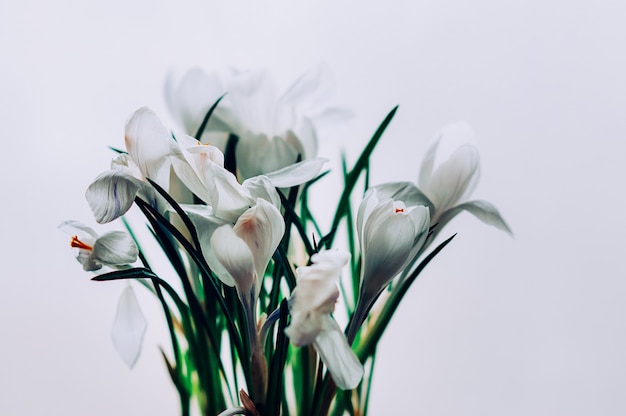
(273, 130)
(449, 184)
(311, 304)
(390, 233)
(114, 249)
(148, 145)
(243, 251)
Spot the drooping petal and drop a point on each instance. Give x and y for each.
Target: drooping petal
(148, 144)
(72, 227)
(342, 363)
(234, 255)
(297, 173)
(482, 210)
(129, 327)
(115, 248)
(112, 194)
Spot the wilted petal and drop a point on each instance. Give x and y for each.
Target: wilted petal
(115, 248)
(129, 327)
(342, 363)
(111, 195)
(297, 173)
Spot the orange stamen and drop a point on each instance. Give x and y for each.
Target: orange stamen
(399, 210)
(76, 243)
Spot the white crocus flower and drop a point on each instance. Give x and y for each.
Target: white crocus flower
(244, 250)
(273, 130)
(311, 304)
(449, 183)
(115, 249)
(148, 144)
(390, 233)
(201, 168)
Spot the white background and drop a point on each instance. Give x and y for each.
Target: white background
(534, 325)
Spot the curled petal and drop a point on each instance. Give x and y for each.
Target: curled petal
(342, 363)
(115, 248)
(128, 328)
(112, 194)
(84, 232)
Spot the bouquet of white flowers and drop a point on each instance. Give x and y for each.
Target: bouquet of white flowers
(251, 295)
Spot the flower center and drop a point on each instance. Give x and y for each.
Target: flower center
(76, 243)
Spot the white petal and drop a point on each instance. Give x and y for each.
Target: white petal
(455, 178)
(111, 195)
(258, 154)
(296, 174)
(191, 98)
(206, 223)
(77, 228)
(128, 328)
(483, 210)
(261, 227)
(148, 144)
(406, 192)
(388, 244)
(115, 248)
(342, 363)
(235, 256)
(261, 187)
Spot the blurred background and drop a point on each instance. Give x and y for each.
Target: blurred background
(534, 325)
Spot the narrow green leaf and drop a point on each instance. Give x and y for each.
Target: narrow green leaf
(206, 118)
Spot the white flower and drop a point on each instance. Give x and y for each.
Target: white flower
(273, 129)
(450, 183)
(148, 145)
(201, 168)
(114, 249)
(311, 304)
(390, 234)
(243, 252)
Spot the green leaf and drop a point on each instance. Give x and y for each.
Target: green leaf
(352, 178)
(207, 116)
(368, 346)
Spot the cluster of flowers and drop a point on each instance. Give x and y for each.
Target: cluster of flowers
(237, 181)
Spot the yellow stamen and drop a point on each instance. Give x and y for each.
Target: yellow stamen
(79, 244)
